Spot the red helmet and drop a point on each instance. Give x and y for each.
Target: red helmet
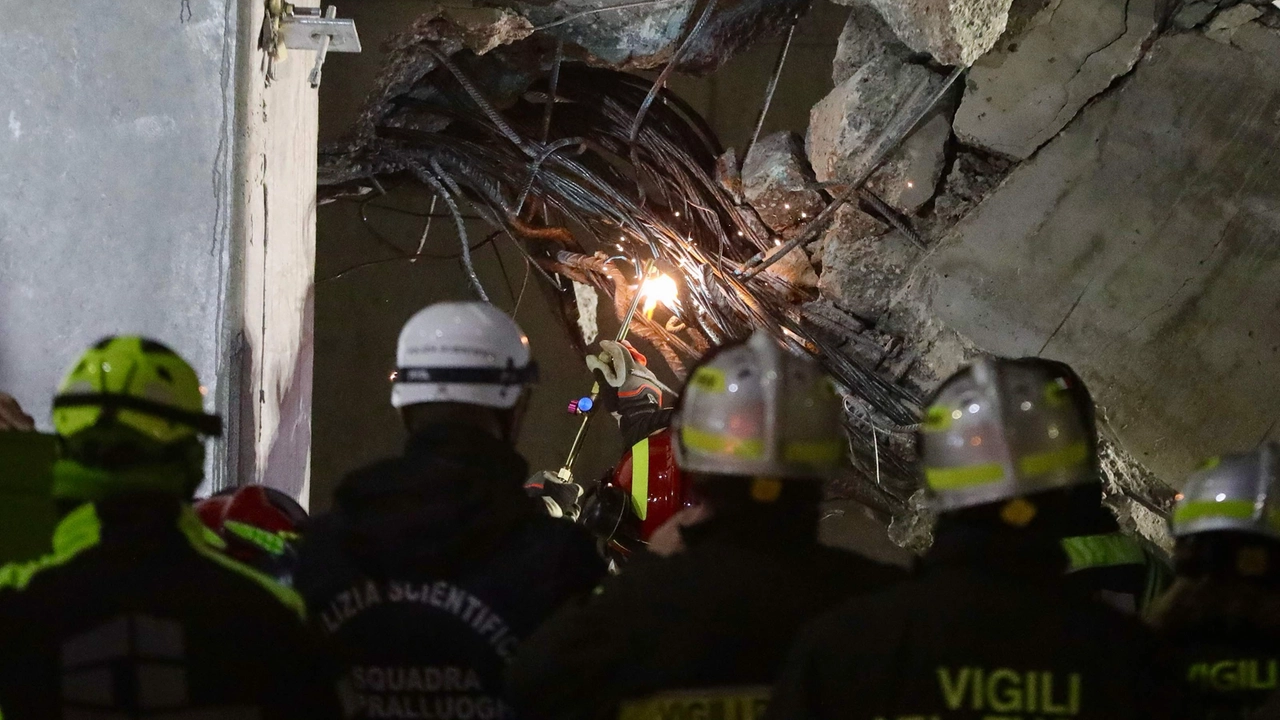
(259, 524)
(644, 491)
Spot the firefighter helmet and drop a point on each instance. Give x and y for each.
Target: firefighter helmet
(462, 352)
(640, 495)
(755, 409)
(1239, 493)
(129, 415)
(260, 526)
(1002, 428)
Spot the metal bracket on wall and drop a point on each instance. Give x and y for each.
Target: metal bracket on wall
(290, 27)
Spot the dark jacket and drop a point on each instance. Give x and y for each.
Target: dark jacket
(987, 628)
(431, 570)
(718, 615)
(136, 612)
(1225, 634)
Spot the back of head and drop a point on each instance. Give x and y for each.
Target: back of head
(462, 362)
(260, 525)
(129, 416)
(1011, 442)
(752, 420)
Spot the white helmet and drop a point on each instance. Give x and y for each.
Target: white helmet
(1233, 493)
(462, 352)
(753, 409)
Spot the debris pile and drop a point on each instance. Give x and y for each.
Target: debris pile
(524, 109)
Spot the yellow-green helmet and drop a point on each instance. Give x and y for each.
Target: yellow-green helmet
(129, 414)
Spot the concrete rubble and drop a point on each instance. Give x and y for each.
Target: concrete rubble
(954, 32)
(845, 125)
(778, 183)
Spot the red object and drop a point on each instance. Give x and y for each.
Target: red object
(667, 492)
(258, 506)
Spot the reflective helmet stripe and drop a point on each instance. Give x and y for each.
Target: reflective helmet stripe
(963, 477)
(813, 452)
(1068, 458)
(269, 542)
(710, 442)
(1201, 509)
(640, 478)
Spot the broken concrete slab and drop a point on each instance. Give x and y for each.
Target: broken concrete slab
(1149, 260)
(954, 32)
(846, 124)
(1029, 87)
(778, 182)
(1226, 23)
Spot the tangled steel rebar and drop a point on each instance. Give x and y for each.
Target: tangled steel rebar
(589, 169)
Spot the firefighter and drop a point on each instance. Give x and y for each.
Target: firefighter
(260, 525)
(137, 611)
(436, 564)
(1123, 570)
(630, 510)
(989, 626)
(701, 633)
(1222, 614)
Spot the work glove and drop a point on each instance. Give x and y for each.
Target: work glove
(12, 417)
(630, 390)
(562, 497)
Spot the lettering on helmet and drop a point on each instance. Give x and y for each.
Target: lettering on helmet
(1229, 676)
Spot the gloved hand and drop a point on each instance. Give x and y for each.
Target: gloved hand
(559, 495)
(630, 390)
(12, 417)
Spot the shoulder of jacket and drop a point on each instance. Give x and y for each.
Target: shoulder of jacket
(210, 547)
(79, 531)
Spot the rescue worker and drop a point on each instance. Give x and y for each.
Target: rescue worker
(260, 525)
(1123, 570)
(701, 633)
(989, 626)
(1222, 615)
(136, 611)
(634, 503)
(436, 564)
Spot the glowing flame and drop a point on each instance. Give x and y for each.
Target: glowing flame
(660, 289)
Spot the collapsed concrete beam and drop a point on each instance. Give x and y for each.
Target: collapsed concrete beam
(1031, 85)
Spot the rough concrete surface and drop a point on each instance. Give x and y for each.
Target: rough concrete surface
(1226, 23)
(116, 161)
(954, 32)
(844, 127)
(1142, 246)
(1029, 87)
(777, 182)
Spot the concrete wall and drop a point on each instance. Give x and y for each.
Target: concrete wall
(127, 158)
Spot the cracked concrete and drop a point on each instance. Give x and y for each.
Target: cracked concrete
(1031, 85)
(1141, 245)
